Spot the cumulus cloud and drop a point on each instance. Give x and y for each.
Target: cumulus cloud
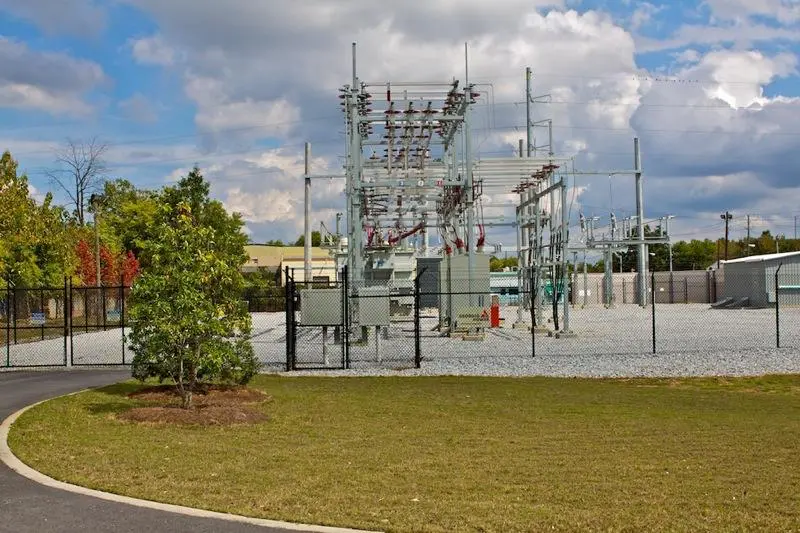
(152, 51)
(48, 81)
(72, 17)
(784, 11)
(260, 71)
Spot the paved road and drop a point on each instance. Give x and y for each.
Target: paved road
(26, 506)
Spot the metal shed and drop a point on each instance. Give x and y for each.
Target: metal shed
(753, 278)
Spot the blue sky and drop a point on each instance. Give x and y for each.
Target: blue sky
(712, 89)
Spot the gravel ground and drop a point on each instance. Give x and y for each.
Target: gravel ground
(691, 340)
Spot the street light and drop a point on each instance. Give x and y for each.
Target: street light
(727, 218)
(94, 201)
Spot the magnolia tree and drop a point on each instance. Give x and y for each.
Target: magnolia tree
(188, 320)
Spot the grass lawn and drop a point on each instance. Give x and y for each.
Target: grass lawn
(455, 454)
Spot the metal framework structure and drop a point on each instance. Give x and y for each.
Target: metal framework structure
(410, 169)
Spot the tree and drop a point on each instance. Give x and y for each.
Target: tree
(87, 266)
(16, 224)
(497, 265)
(125, 215)
(130, 268)
(316, 239)
(188, 322)
(81, 168)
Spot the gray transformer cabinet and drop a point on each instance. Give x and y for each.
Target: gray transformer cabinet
(321, 307)
(373, 306)
(458, 292)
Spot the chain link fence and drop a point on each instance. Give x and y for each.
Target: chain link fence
(382, 324)
(406, 324)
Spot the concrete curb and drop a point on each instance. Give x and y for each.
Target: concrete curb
(10, 460)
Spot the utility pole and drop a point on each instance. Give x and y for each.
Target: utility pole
(666, 229)
(95, 202)
(470, 238)
(748, 234)
(307, 244)
(528, 98)
(642, 255)
(726, 217)
(795, 227)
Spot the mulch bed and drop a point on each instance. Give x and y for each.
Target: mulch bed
(214, 405)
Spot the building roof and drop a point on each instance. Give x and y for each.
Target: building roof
(261, 255)
(761, 258)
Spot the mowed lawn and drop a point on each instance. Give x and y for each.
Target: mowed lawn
(455, 454)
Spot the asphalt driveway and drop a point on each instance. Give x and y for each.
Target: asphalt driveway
(26, 506)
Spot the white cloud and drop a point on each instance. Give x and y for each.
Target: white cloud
(255, 69)
(152, 51)
(742, 34)
(20, 95)
(739, 77)
(643, 15)
(53, 82)
(784, 11)
(73, 17)
(217, 113)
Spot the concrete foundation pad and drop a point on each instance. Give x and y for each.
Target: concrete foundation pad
(473, 337)
(520, 325)
(566, 335)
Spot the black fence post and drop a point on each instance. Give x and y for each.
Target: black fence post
(71, 324)
(66, 308)
(8, 322)
(653, 305)
(41, 308)
(777, 309)
(532, 298)
(345, 335)
(288, 310)
(14, 310)
(122, 312)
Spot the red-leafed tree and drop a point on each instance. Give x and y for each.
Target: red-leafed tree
(124, 267)
(87, 268)
(130, 269)
(109, 267)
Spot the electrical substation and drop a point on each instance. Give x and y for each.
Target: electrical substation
(415, 192)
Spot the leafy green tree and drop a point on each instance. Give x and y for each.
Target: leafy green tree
(188, 321)
(125, 216)
(497, 264)
(34, 249)
(316, 239)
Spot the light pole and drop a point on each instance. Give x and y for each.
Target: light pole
(726, 217)
(668, 217)
(94, 200)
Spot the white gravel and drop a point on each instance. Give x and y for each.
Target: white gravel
(691, 340)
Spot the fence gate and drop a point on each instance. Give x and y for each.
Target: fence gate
(316, 331)
(34, 327)
(98, 325)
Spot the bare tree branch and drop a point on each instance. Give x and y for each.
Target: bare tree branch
(80, 169)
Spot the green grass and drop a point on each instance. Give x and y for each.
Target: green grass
(456, 454)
